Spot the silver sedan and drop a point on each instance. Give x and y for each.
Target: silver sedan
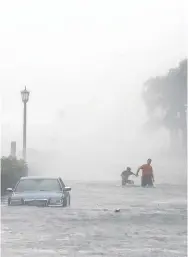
(40, 191)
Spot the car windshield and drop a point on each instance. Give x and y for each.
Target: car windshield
(38, 185)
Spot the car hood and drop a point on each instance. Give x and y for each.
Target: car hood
(37, 195)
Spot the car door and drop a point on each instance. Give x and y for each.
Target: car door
(63, 186)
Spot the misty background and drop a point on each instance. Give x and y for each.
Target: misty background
(85, 63)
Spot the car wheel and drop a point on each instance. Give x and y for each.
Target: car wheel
(65, 202)
(69, 200)
(9, 201)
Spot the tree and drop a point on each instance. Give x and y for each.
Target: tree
(165, 98)
(11, 171)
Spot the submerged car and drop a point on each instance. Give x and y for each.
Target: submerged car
(40, 191)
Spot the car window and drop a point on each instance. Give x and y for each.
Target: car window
(61, 181)
(38, 185)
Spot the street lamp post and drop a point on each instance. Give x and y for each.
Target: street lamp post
(25, 99)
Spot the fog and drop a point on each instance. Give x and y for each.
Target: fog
(85, 63)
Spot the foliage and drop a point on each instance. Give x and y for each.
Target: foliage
(165, 98)
(11, 170)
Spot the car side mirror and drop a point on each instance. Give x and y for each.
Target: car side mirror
(10, 190)
(67, 189)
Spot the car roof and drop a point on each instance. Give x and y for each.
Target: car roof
(38, 177)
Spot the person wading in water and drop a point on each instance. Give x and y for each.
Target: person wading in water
(147, 174)
(125, 175)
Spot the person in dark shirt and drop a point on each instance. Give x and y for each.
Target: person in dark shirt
(125, 176)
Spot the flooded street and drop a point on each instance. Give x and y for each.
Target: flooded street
(151, 223)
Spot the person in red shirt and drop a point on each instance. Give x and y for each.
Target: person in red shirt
(147, 174)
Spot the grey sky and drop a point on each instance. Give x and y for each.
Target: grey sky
(85, 63)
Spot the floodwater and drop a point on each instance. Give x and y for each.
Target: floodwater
(151, 223)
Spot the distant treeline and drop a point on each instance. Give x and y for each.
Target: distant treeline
(165, 98)
(11, 170)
